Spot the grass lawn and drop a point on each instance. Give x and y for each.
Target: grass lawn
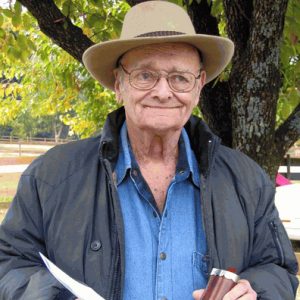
(23, 160)
(9, 181)
(8, 186)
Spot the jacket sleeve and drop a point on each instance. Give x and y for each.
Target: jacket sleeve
(22, 273)
(273, 265)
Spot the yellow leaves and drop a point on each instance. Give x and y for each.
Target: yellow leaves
(85, 127)
(87, 31)
(288, 100)
(9, 110)
(1, 20)
(16, 20)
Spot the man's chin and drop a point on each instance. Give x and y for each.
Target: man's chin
(162, 128)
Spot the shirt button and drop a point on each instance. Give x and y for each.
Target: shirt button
(96, 245)
(162, 255)
(135, 173)
(164, 298)
(181, 171)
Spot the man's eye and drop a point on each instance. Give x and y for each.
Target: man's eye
(145, 76)
(179, 78)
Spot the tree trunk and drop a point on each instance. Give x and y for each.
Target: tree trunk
(58, 27)
(255, 78)
(242, 110)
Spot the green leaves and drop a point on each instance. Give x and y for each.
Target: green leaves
(51, 83)
(96, 21)
(54, 84)
(16, 20)
(1, 19)
(7, 12)
(2, 33)
(18, 8)
(290, 63)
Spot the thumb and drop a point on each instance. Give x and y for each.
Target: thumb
(198, 294)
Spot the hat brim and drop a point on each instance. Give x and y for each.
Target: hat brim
(101, 59)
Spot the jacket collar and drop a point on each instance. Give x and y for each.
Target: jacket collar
(109, 141)
(202, 140)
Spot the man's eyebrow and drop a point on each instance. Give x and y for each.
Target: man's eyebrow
(152, 67)
(144, 65)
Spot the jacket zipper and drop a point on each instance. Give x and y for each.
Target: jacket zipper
(203, 195)
(275, 233)
(114, 292)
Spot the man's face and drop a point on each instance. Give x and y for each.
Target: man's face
(159, 110)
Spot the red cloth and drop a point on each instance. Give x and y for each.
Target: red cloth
(281, 180)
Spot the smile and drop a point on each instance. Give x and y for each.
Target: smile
(161, 107)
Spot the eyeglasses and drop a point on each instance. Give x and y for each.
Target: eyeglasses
(144, 79)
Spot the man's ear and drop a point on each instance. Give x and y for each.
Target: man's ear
(202, 79)
(200, 84)
(118, 86)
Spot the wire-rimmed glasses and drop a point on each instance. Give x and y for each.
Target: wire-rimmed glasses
(145, 79)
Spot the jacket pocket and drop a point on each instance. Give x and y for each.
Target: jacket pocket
(276, 234)
(200, 270)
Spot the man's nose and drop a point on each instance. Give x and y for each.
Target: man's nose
(162, 89)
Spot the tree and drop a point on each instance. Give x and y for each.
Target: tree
(254, 105)
(49, 82)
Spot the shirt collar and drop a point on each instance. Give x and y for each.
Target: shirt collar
(187, 160)
(124, 159)
(187, 164)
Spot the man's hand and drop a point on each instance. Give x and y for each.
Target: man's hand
(242, 291)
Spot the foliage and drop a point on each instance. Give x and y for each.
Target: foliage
(290, 57)
(39, 79)
(290, 61)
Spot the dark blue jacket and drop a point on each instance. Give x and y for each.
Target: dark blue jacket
(67, 207)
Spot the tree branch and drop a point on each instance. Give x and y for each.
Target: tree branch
(288, 132)
(255, 78)
(215, 101)
(58, 27)
(267, 24)
(215, 104)
(203, 21)
(238, 15)
(135, 2)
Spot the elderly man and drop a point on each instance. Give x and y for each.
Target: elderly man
(147, 209)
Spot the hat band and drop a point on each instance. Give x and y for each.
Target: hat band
(159, 33)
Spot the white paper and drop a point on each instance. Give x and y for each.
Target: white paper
(80, 290)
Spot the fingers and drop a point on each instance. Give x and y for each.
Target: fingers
(242, 291)
(197, 294)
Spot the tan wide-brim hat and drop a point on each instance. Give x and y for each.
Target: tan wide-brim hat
(155, 22)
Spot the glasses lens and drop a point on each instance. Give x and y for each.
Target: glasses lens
(143, 79)
(181, 81)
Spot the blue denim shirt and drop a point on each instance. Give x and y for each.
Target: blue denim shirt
(165, 254)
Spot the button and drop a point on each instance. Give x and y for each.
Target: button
(164, 298)
(135, 173)
(162, 255)
(181, 171)
(96, 245)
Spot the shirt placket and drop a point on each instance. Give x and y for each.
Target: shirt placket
(164, 259)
